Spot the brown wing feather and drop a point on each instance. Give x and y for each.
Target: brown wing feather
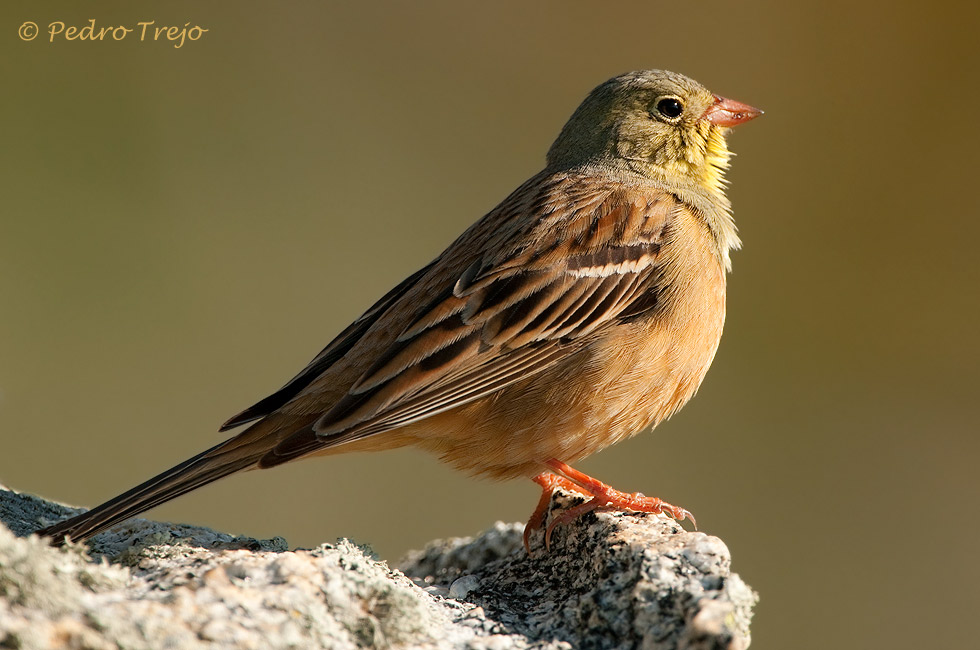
(588, 257)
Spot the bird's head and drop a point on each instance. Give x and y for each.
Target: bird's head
(660, 124)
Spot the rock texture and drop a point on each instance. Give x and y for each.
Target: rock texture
(609, 581)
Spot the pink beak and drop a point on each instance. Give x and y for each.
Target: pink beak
(728, 112)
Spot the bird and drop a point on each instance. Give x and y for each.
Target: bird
(583, 309)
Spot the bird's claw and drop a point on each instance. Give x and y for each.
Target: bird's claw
(603, 498)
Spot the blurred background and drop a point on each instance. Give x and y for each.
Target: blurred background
(184, 228)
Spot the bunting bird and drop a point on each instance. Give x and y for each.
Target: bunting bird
(584, 308)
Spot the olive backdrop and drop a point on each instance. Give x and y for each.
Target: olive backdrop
(183, 228)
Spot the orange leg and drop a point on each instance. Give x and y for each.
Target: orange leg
(549, 483)
(603, 496)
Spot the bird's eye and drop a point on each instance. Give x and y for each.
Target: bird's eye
(670, 107)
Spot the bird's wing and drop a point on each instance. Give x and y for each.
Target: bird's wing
(588, 259)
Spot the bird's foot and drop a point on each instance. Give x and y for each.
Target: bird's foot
(604, 497)
(549, 483)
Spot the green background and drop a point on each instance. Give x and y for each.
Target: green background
(182, 229)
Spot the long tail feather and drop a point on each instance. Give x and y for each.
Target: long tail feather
(211, 465)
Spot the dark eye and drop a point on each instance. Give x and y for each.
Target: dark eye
(670, 107)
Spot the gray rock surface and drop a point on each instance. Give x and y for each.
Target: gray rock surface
(609, 581)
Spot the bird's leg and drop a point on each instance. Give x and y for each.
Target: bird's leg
(604, 497)
(549, 483)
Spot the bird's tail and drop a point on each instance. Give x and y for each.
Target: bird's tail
(219, 461)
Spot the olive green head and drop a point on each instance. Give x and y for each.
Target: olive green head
(660, 124)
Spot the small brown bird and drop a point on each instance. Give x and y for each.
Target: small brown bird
(584, 308)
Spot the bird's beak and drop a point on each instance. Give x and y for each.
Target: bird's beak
(728, 112)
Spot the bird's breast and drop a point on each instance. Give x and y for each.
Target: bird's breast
(648, 368)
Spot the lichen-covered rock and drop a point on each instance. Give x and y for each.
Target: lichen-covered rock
(609, 581)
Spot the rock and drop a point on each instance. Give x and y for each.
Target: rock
(609, 581)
